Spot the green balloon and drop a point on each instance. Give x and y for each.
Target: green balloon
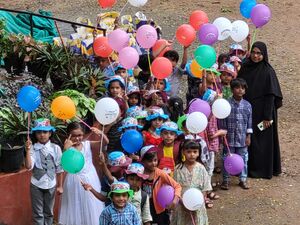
(205, 56)
(72, 160)
(180, 121)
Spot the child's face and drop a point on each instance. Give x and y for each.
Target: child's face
(133, 99)
(115, 89)
(168, 137)
(157, 101)
(42, 136)
(226, 78)
(150, 165)
(159, 85)
(76, 136)
(120, 199)
(156, 123)
(103, 63)
(141, 122)
(174, 63)
(191, 155)
(135, 182)
(209, 77)
(238, 92)
(122, 73)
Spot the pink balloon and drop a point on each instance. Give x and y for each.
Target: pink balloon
(146, 36)
(128, 57)
(118, 39)
(198, 105)
(234, 164)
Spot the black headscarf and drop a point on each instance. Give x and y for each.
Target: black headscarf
(260, 77)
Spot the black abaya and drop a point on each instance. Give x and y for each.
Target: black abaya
(265, 96)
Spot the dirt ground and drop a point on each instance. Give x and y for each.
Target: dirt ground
(275, 201)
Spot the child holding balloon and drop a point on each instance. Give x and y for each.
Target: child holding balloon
(189, 173)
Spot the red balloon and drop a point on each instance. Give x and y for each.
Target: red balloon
(185, 34)
(198, 18)
(106, 3)
(101, 47)
(161, 67)
(158, 46)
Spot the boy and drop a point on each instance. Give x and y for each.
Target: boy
(120, 211)
(135, 176)
(239, 128)
(227, 74)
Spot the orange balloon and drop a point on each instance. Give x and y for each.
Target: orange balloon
(161, 67)
(63, 108)
(106, 3)
(101, 47)
(160, 46)
(198, 18)
(185, 34)
(196, 69)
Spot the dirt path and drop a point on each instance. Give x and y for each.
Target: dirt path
(275, 201)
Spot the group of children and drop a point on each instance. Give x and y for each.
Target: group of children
(126, 190)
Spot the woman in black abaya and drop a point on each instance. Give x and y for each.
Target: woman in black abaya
(265, 96)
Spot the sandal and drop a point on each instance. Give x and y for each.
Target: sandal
(225, 185)
(213, 196)
(243, 185)
(208, 203)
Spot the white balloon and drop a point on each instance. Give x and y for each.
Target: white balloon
(196, 122)
(221, 108)
(193, 199)
(224, 27)
(106, 110)
(240, 30)
(137, 3)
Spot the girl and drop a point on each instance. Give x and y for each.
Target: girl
(134, 97)
(227, 74)
(189, 173)
(210, 81)
(154, 120)
(43, 158)
(115, 87)
(78, 206)
(175, 108)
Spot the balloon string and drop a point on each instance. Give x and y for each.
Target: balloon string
(227, 146)
(149, 62)
(102, 138)
(218, 50)
(83, 122)
(112, 68)
(193, 220)
(123, 8)
(28, 125)
(217, 89)
(126, 81)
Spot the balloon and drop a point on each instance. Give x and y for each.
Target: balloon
(146, 36)
(196, 122)
(137, 3)
(29, 98)
(161, 67)
(198, 105)
(72, 160)
(246, 6)
(234, 164)
(224, 27)
(118, 39)
(208, 34)
(205, 56)
(221, 108)
(198, 18)
(132, 141)
(159, 45)
(196, 69)
(260, 15)
(106, 3)
(63, 108)
(185, 34)
(101, 47)
(128, 57)
(165, 195)
(193, 199)
(106, 110)
(240, 31)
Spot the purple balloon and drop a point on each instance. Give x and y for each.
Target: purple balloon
(208, 34)
(234, 164)
(198, 105)
(118, 39)
(260, 15)
(165, 195)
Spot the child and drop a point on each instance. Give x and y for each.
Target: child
(134, 97)
(169, 147)
(155, 119)
(223, 58)
(237, 63)
(129, 123)
(227, 74)
(239, 128)
(120, 211)
(175, 108)
(209, 81)
(43, 158)
(156, 98)
(77, 206)
(135, 176)
(141, 117)
(190, 174)
(157, 178)
(237, 50)
(193, 84)
(145, 74)
(115, 87)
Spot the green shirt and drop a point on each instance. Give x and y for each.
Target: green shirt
(226, 91)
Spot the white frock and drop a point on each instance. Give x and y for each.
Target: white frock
(78, 206)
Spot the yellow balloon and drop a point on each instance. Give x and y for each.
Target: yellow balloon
(63, 108)
(196, 69)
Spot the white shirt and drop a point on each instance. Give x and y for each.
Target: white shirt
(145, 214)
(49, 148)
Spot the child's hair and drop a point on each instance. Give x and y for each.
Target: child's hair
(74, 126)
(143, 62)
(121, 85)
(188, 144)
(149, 156)
(172, 55)
(177, 104)
(238, 82)
(223, 58)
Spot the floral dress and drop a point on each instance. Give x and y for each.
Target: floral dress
(197, 178)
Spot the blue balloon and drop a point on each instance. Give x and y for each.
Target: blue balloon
(246, 6)
(29, 98)
(132, 141)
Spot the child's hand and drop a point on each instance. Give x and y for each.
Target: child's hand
(222, 133)
(68, 143)
(248, 38)
(96, 131)
(134, 157)
(59, 190)
(28, 145)
(86, 186)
